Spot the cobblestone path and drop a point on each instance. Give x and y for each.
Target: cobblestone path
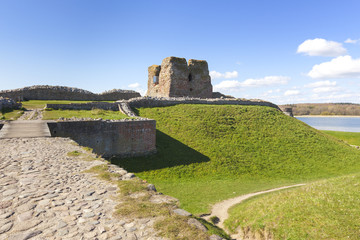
(44, 194)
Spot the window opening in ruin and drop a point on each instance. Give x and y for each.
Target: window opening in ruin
(191, 89)
(190, 77)
(156, 79)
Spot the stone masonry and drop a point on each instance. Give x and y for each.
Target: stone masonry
(177, 78)
(45, 92)
(8, 103)
(123, 138)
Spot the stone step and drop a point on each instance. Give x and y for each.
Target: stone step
(25, 129)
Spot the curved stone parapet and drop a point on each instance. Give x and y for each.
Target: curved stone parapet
(163, 102)
(45, 92)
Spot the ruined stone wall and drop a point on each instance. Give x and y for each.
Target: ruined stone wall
(163, 102)
(200, 84)
(44, 92)
(85, 106)
(177, 78)
(125, 138)
(8, 103)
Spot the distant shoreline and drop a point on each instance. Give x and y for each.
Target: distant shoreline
(330, 116)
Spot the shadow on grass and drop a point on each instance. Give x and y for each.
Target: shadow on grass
(6, 110)
(170, 153)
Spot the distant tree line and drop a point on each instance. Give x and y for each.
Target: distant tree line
(324, 109)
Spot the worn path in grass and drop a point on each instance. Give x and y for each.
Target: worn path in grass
(44, 194)
(220, 209)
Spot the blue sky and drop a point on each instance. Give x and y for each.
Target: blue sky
(280, 51)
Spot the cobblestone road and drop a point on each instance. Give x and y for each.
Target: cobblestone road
(44, 194)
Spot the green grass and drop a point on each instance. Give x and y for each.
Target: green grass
(32, 104)
(10, 114)
(167, 223)
(74, 154)
(209, 153)
(95, 114)
(328, 209)
(352, 138)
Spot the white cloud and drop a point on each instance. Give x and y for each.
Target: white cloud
(234, 85)
(349, 40)
(339, 97)
(228, 85)
(321, 47)
(226, 75)
(137, 87)
(134, 85)
(323, 86)
(326, 89)
(266, 81)
(318, 84)
(291, 92)
(340, 67)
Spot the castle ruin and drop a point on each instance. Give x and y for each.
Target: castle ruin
(177, 78)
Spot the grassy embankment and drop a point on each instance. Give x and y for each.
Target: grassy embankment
(209, 153)
(327, 209)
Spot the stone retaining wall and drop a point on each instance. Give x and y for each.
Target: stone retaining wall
(126, 105)
(45, 92)
(126, 138)
(85, 106)
(163, 102)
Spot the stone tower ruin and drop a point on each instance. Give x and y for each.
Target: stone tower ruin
(177, 78)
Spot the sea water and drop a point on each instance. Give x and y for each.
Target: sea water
(344, 124)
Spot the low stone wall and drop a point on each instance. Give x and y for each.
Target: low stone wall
(45, 92)
(8, 103)
(85, 106)
(125, 138)
(163, 102)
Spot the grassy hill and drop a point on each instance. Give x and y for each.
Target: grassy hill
(328, 209)
(208, 153)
